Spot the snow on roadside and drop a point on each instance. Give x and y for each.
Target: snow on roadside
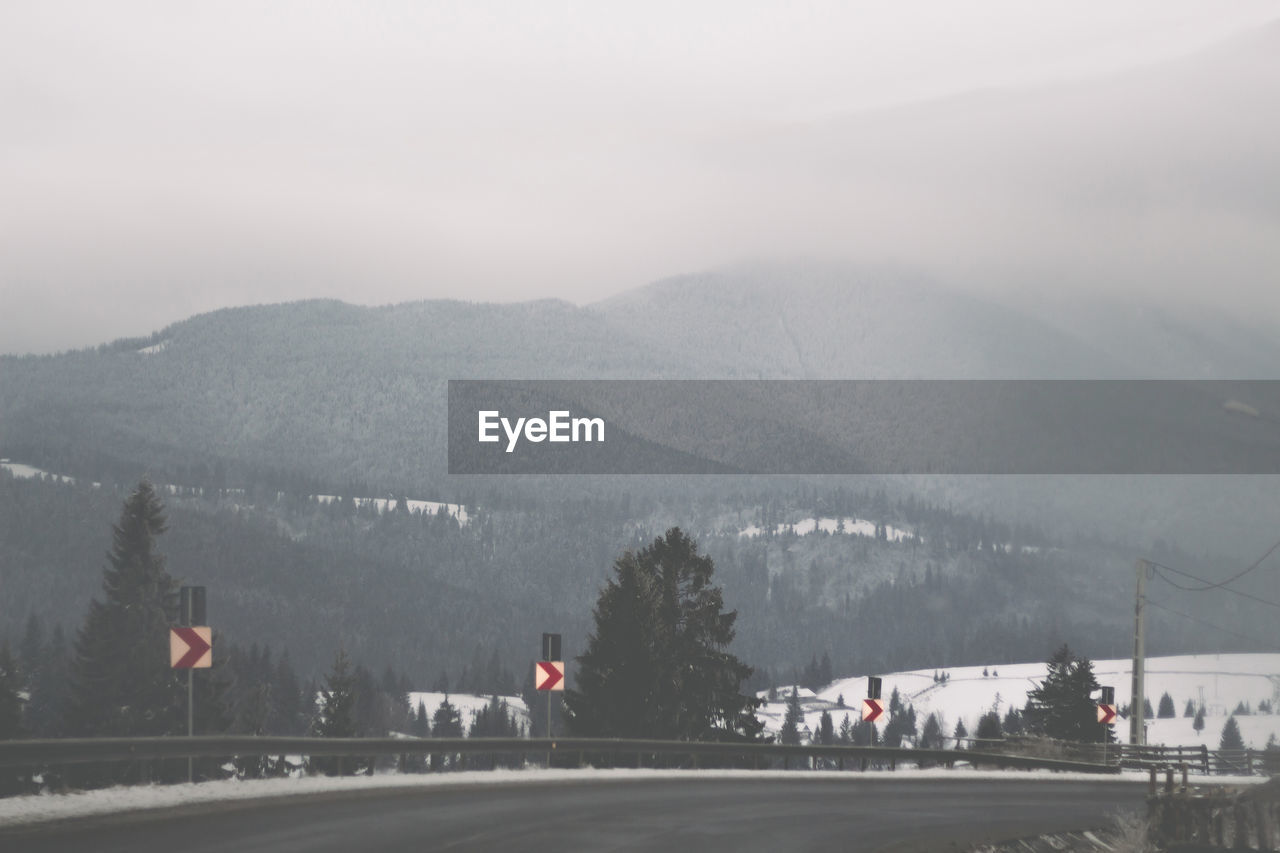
(41, 808)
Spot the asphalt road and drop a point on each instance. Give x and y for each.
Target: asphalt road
(704, 815)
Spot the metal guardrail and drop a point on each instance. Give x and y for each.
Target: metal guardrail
(40, 753)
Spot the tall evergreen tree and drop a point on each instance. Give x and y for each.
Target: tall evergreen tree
(657, 664)
(336, 715)
(1061, 706)
(989, 727)
(1230, 738)
(931, 734)
(794, 719)
(123, 684)
(447, 722)
(826, 729)
(1166, 710)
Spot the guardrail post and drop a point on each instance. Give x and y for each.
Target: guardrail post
(1152, 789)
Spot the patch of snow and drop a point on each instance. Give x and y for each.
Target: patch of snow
(26, 472)
(468, 705)
(852, 527)
(458, 511)
(154, 348)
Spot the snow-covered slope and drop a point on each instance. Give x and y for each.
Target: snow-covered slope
(1221, 682)
(468, 705)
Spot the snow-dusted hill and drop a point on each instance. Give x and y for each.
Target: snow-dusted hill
(468, 705)
(1221, 682)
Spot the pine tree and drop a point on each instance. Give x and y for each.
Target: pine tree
(446, 723)
(931, 735)
(1166, 709)
(989, 727)
(1013, 723)
(826, 729)
(1061, 707)
(960, 734)
(1198, 722)
(1231, 738)
(336, 716)
(846, 730)
(657, 664)
(1190, 710)
(791, 723)
(123, 684)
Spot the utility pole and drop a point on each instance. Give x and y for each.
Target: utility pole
(1137, 719)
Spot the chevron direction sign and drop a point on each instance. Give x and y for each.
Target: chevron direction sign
(872, 709)
(1106, 714)
(549, 675)
(190, 647)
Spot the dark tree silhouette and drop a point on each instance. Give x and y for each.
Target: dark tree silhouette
(657, 664)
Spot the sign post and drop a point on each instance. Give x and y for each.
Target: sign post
(1106, 715)
(191, 648)
(548, 674)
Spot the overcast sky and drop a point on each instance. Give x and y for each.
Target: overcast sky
(162, 159)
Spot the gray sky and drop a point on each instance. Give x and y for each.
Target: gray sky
(162, 159)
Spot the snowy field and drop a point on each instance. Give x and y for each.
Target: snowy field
(1220, 682)
(52, 807)
(468, 705)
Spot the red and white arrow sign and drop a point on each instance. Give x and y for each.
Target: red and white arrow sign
(190, 648)
(872, 709)
(549, 675)
(1106, 714)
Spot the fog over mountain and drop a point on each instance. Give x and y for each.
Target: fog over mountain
(1049, 168)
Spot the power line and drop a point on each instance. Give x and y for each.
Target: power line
(1206, 585)
(1160, 606)
(1220, 584)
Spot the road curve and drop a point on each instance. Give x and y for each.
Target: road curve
(706, 815)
